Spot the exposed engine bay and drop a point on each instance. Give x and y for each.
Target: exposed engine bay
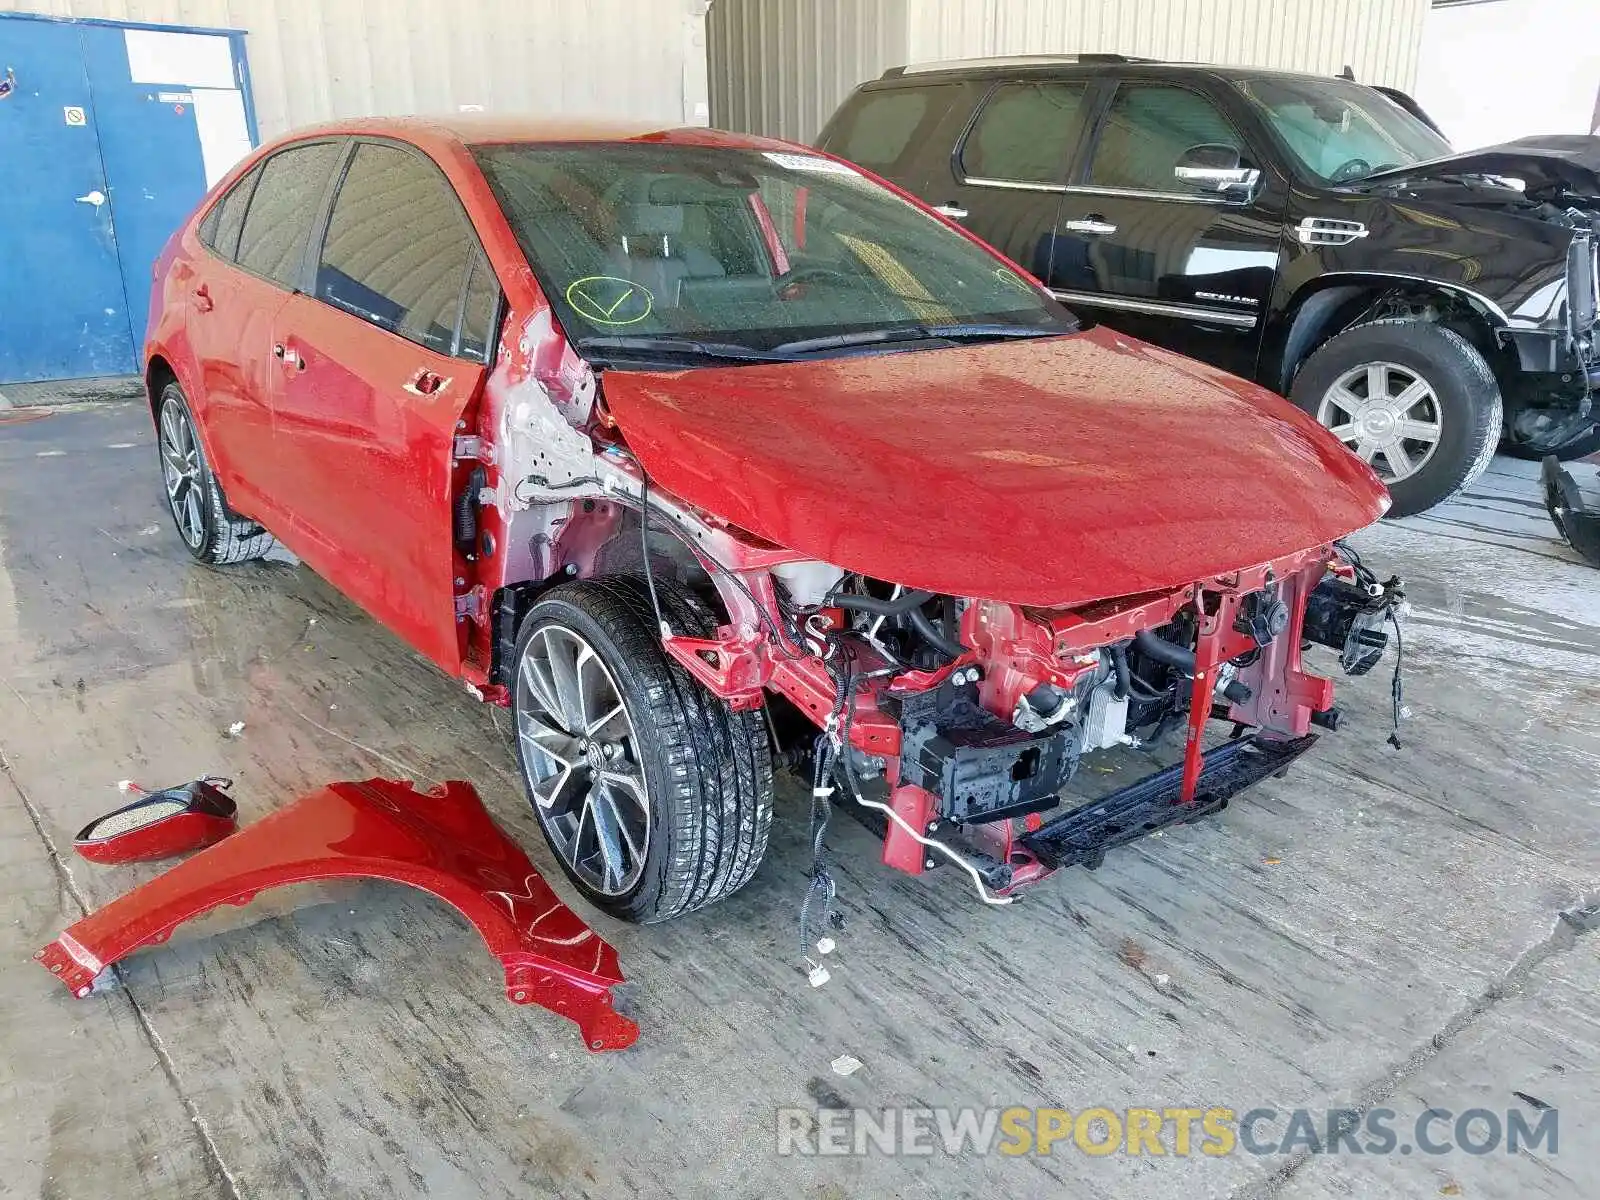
(952, 725)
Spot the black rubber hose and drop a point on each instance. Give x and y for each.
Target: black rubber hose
(1119, 662)
(1167, 653)
(932, 634)
(882, 608)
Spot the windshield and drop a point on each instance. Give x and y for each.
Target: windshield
(1340, 131)
(681, 248)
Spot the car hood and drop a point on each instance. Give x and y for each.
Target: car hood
(1552, 162)
(1046, 472)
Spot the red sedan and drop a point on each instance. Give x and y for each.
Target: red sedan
(642, 433)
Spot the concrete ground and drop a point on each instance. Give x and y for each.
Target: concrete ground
(1398, 929)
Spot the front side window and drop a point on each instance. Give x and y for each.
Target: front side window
(1338, 131)
(272, 242)
(742, 246)
(397, 248)
(1147, 130)
(1025, 133)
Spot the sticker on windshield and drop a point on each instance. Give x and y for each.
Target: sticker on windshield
(809, 162)
(610, 300)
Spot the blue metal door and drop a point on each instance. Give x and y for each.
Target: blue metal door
(63, 308)
(109, 136)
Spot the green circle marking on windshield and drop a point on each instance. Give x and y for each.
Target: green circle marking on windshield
(609, 300)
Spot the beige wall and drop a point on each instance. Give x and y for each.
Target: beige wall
(782, 66)
(312, 60)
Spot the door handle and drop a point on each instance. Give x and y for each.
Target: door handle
(96, 198)
(954, 211)
(202, 299)
(1094, 223)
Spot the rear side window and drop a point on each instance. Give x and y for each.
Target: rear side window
(1026, 132)
(273, 239)
(398, 247)
(1146, 131)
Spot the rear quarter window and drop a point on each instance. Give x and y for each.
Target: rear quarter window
(220, 229)
(883, 130)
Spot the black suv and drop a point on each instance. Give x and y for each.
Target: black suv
(1312, 234)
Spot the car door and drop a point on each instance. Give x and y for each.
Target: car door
(376, 362)
(1006, 175)
(256, 238)
(1151, 241)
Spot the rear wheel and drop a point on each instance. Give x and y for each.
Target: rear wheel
(211, 531)
(655, 798)
(1414, 400)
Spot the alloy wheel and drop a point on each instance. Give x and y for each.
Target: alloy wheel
(1386, 411)
(580, 756)
(180, 470)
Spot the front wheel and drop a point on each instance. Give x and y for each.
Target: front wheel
(1412, 399)
(655, 797)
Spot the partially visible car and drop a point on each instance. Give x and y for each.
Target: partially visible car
(1315, 235)
(640, 432)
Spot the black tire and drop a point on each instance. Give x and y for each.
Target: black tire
(1463, 386)
(218, 536)
(707, 770)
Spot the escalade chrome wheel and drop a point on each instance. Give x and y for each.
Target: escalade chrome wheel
(1387, 415)
(655, 798)
(1413, 399)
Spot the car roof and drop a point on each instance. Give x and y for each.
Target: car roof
(473, 129)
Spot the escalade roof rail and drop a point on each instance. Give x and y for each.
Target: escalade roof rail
(1011, 60)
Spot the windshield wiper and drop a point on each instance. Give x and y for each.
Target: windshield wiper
(731, 351)
(914, 333)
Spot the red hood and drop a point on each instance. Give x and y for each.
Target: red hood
(1046, 472)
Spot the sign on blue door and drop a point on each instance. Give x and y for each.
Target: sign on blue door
(109, 136)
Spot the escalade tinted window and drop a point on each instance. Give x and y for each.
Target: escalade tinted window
(220, 229)
(397, 247)
(1147, 129)
(273, 240)
(1025, 132)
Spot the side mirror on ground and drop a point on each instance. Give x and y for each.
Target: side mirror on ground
(1212, 166)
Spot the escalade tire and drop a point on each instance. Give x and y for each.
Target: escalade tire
(211, 531)
(1459, 396)
(661, 809)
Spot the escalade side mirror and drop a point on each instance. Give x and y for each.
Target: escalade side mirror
(1212, 166)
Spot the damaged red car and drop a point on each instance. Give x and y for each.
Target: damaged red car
(705, 453)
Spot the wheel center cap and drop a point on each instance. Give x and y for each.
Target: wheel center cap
(1377, 425)
(594, 754)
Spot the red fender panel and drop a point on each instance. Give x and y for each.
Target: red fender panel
(443, 842)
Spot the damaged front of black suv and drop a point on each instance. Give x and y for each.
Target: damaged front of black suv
(1544, 287)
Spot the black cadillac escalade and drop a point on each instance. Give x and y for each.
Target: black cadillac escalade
(1312, 234)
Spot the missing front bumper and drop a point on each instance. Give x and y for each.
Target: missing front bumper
(1088, 831)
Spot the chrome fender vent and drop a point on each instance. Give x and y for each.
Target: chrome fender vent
(1325, 231)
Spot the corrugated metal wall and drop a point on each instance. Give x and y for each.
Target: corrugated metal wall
(780, 67)
(773, 70)
(312, 60)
